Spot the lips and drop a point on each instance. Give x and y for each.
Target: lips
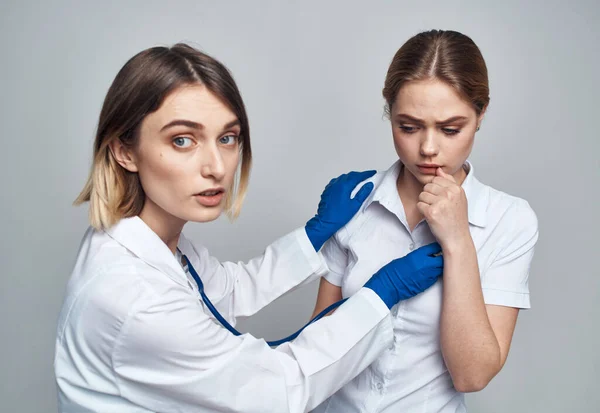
(428, 169)
(211, 192)
(210, 197)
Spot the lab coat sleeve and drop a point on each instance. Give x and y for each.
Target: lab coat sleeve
(171, 357)
(336, 259)
(506, 281)
(242, 289)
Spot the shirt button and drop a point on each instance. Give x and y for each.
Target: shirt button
(412, 246)
(379, 386)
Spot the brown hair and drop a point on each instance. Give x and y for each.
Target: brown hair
(449, 56)
(138, 90)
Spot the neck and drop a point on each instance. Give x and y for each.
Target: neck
(165, 225)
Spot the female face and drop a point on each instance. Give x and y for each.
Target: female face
(187, 155)
(433, 126)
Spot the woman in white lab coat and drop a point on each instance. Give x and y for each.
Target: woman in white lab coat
(133, 333)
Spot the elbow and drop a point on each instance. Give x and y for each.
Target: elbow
(470, 385)
(477, 376)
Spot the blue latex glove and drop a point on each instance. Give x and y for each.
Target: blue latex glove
(336, 207)
(408, 276)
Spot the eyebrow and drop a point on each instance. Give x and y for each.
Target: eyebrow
(196, 125)
(421, 121)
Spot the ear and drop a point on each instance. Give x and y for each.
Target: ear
(480, 117)
(123, 155)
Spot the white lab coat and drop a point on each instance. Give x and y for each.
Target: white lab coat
(134, 336)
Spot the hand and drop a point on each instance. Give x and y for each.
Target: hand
(336, 207)
(408, 276)
(443, 203)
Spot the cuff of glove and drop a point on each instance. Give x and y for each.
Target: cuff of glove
(317, 237)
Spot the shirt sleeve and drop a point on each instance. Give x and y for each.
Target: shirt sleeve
(336, 258)
(242, 289)
(171, 357)
(506, 281)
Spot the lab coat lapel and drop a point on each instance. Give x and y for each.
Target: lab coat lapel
(137, 237)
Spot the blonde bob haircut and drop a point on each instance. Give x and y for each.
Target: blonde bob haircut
(138, 90)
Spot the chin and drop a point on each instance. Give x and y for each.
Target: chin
(421, 177)
(207, 215)
(425, 179)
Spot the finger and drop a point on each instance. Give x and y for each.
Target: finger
(430, 249)
(423, 208)
(427, 198)
(429, 178)
(363, 193)
(360, 176)
(443, 182)
(433, 189)
(436, 261)
(440, 172)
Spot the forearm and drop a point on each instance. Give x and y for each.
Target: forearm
(286, 264)
(469, 345)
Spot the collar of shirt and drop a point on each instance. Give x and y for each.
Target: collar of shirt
(386, 194)
(137, 237)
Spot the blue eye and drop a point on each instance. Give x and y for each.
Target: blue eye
(228, 139)
(182, 142)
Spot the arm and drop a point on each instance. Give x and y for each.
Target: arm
(291, 260)
(330, 291)
(327, 295)
(242, 289)
(485, 331)
(170, 357)
(476, 337)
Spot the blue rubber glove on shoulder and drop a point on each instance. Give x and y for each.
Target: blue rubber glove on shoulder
(337, 207)
(408, 276)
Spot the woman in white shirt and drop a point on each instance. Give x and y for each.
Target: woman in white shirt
(454, 339)
(133, 334)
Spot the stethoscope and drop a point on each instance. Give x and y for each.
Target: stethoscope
(229, 327)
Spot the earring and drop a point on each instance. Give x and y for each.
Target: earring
(478, 129)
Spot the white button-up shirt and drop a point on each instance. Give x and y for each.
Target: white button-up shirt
(411, 375)
(134, 336)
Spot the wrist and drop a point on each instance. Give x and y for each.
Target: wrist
(457, 245)
(387, 299)
(316, 234)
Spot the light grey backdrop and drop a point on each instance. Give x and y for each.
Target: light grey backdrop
(311, 75)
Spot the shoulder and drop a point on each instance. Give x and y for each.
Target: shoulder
(512, 218)
(106, 287)
(107, 281)
(376, 179)
(512, 208)
(363, 213)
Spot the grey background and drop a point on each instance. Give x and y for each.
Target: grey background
(311, 75)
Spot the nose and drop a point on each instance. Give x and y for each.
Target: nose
(213, 166)
(429, 145)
